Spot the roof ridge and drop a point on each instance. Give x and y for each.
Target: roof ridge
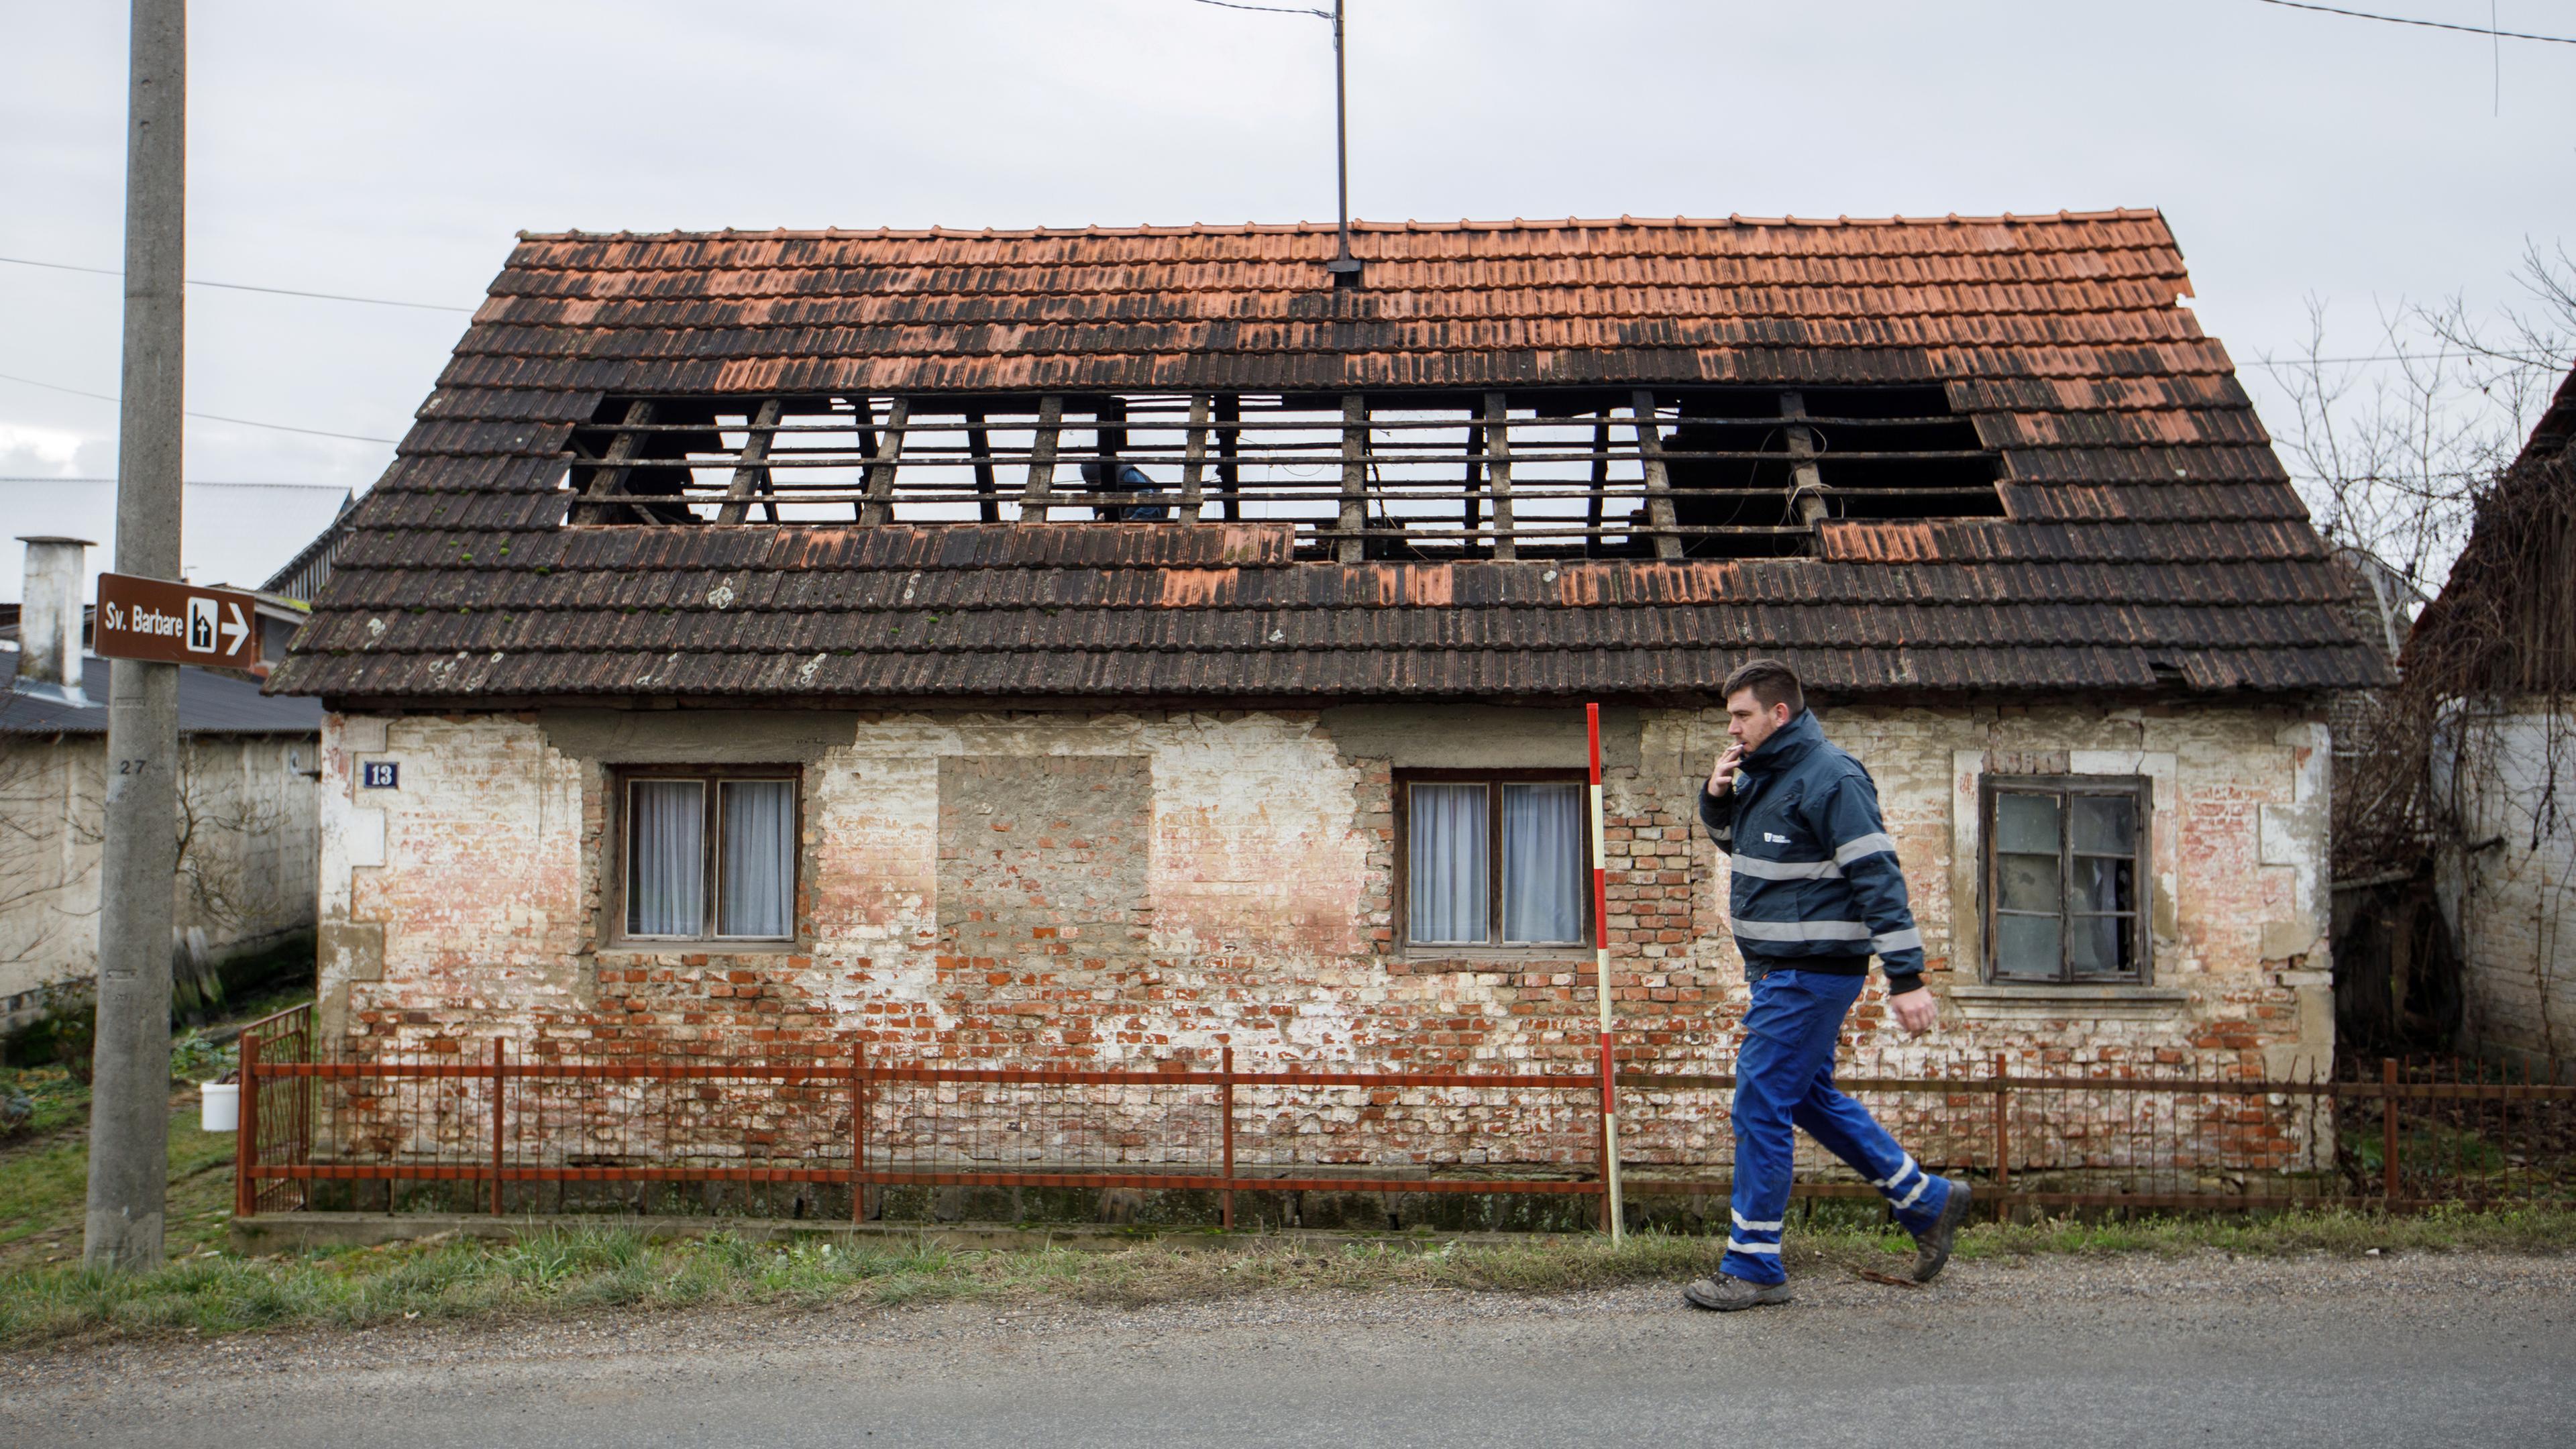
(1254, 228)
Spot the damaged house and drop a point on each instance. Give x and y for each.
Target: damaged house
(2490, 666)
(1084, 646)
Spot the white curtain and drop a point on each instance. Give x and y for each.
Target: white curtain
(666, 858)
(758, 875)
(1543, 863)
(1445, 886)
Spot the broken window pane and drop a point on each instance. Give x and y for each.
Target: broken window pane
(2066, 878)
(2026, 946)
(2104, 824)
(2100, 883)
(2026, 882)
(2026, 824)
(2100, 945)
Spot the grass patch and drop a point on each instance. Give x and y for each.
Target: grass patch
(2527, 1230)
(565, 1271)
(38, 1102)
(44, 1169)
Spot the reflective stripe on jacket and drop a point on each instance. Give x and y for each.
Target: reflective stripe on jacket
(1813, 871)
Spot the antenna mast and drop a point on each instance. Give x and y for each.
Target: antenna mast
(1344, 267)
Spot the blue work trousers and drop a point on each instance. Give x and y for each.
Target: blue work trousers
(1784, 1079)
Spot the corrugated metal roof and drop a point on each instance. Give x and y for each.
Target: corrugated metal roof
(2151, 531)
(209, 704)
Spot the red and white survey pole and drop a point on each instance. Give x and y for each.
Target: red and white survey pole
(1601, 977)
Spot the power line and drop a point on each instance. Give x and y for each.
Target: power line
(2551, 364)
(209, 417)
(2486, 30)
(191, 483)
(247, 287)
(2366, 357)
(1269, 9)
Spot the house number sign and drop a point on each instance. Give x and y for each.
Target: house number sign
(379, 774)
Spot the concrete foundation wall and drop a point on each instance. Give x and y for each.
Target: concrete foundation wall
(251, 842)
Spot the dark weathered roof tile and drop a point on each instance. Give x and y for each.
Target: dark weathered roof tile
(2150, 526)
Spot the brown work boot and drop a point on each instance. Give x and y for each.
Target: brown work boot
(1932, 1245)
(1727, 1293)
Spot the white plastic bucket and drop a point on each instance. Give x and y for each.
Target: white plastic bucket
(219, 1106)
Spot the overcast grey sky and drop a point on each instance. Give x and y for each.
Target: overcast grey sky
(392, 150)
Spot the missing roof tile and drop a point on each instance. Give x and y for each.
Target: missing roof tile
(1742, 472)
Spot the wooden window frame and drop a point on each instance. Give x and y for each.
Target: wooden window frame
(624, 778)
(2140, 792)
(1493, 947)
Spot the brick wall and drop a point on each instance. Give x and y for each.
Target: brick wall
(1117, 887)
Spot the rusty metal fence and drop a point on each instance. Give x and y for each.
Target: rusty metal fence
(865, 1130)
(276, 1123)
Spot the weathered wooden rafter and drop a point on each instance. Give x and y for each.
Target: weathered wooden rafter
(1041, 485)
(608, 479)
(1498, 471)
(882, 462)
(752, 474)
(1659, 488)
(1806, 480)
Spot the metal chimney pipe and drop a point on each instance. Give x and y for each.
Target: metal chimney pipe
(49, 618)
(1344, 267)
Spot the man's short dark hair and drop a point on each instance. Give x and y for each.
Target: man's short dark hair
(1771, 681)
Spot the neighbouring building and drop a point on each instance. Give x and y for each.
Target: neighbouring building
(2495, 656)
(1076, 645)
(247, 816)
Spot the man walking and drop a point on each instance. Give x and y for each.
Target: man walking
(1816, 891)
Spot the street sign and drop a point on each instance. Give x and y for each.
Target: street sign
(174, 623)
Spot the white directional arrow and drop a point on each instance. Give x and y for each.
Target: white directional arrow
(235, 629)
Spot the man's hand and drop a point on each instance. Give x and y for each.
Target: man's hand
(1915, 1012)
(1721, 776)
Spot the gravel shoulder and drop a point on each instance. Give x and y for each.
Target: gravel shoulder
(2467, 1347)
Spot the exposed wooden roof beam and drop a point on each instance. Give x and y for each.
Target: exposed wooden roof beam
(608, 480)
(752, 471)
(885, 458)
(1040, 492)
(1806, 481)
(1355, 448)
(1498, 470)
(1659, 488)
(988, 495)
(1229, 442)
(1194, 459)
(1600, 478)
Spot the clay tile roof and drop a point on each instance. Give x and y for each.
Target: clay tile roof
(2151, 539)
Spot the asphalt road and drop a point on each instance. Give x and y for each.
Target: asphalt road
(2451, 1351)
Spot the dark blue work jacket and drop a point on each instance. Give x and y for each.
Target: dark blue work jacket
(1815, 883)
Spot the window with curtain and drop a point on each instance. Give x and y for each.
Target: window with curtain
(2066, 878)
(710, 856)
(1496, 863)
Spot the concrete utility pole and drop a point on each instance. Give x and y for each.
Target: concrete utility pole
(129, 1115)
